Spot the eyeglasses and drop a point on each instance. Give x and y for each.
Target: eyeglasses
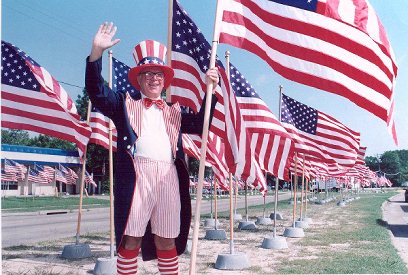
(151, 75)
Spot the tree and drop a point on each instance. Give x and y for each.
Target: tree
(390, 164)
(372, 163)
(15, 137)
(51, 142)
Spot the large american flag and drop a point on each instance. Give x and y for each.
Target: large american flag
(318, 135)
(190, 59)
(337, 46)
(270, 143)
(33, 100)
(361, 155)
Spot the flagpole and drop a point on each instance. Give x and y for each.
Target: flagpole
(215, 203)
(294, 191)
(111, 223)
(275, 209)
(81, 188)
(231, 215)
(169, 42)
(204, 139)
(303, 185)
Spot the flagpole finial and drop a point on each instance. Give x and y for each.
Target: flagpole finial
(227, 53)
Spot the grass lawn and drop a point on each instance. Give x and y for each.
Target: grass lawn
(357, 241)
(28, 204)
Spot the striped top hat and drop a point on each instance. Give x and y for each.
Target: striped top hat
(150, 54)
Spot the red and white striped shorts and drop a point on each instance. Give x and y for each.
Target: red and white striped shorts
(156, 198)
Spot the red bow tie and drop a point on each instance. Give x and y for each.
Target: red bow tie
(149, 102)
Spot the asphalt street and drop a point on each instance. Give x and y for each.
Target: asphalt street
(34, 227)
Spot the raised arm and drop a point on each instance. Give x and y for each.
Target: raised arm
(103, 40)
(101, 96)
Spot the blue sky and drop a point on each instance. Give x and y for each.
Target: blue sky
(58, 35)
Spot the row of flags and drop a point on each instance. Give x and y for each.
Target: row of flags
(42, 174)
(302, 41)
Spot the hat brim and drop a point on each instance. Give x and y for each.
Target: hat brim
(134, 72)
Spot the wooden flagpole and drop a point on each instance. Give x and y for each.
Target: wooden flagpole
(81, 188)
(303, 186)
(215, 203)
(204, 138)
(294, 190)
(231, 188)
(169, 42)
(111, 223)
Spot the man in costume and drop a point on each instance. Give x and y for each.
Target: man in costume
(151, 194)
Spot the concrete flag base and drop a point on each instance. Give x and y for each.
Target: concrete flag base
(279, 216)
(105, 266)
(263, 221)
(301, 224)
(76, 251)
(235, 261)
(274, 243)
(246, 225)
(215, 234)
(294, 232)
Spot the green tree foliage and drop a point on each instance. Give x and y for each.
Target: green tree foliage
(22, 137)
(393, 163)
(15, 137)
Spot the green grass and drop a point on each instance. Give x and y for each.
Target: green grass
(367, 247)
(18, 204)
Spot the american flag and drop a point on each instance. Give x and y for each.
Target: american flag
(11, 166)
(271, 144)
(37, 177)
(46, 171)
(8, 176)
(69, 174)
(337, 46)
(318, 135)
(100, 129)
(60, 176)
(33, 100)
(190, 59)
(361, 155)
(89, 179)
(215, 154)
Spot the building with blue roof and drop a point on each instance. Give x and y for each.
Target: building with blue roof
(29, 156)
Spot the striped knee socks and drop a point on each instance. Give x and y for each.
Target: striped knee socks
(168, 261)
(127, 261)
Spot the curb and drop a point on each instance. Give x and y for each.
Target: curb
(51, 212)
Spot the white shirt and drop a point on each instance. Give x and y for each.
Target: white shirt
(153, 142)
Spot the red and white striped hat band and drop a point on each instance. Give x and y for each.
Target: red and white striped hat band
(150, 53)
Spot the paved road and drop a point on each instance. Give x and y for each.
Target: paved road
(30, 228)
